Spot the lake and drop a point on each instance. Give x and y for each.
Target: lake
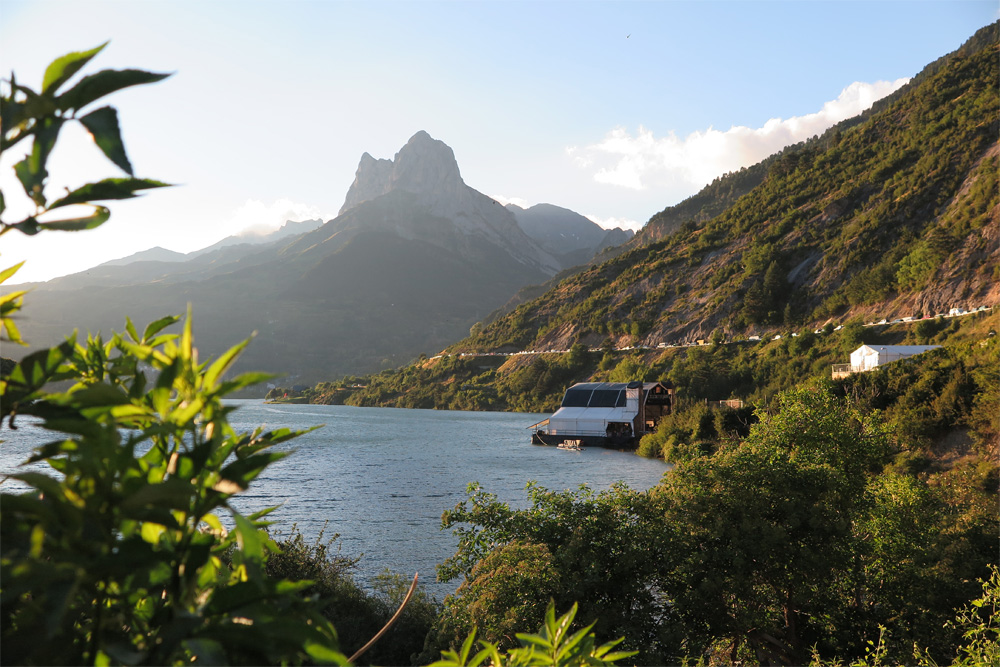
(381, 477)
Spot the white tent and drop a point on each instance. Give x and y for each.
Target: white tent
(868, 357)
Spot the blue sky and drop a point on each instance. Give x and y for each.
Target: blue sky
(613, 109)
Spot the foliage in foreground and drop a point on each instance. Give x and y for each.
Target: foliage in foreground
(118, 556)
(804, 538)
(358, 613)
(552, 645)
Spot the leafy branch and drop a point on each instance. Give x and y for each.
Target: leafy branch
(41, 115)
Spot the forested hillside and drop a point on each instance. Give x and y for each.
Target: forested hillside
(895, 216)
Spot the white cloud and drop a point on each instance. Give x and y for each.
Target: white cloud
(611, 223)
(644, 161)
(255, 218)
(516, 201)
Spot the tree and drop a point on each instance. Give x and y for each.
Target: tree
(506, 591)
(597, 549)
(629, 369)
(755, 304)
(762, 533)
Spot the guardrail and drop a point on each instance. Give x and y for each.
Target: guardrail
(843, 370)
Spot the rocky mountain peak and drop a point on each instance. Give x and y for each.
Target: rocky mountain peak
(424, 165)
(370, 180)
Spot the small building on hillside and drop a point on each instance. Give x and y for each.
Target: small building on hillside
(870, 357)
(609, 414)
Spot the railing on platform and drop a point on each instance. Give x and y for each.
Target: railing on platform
(734, 403)
(843, 370)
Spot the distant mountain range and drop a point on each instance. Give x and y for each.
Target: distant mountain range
(569, 237)
(414, 258)
(166, 266)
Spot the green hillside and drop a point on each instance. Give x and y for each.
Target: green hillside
(892, 215)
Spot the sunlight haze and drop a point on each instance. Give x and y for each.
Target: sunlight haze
(613, 110)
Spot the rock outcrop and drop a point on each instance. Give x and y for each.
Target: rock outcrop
(420, 195)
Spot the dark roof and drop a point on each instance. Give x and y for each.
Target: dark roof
(620, 385)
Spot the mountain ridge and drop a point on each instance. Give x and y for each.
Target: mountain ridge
(568, 236)
(893, 216)
(415, 259)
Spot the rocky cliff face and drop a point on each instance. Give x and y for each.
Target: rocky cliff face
(424, 166)
(420, 195)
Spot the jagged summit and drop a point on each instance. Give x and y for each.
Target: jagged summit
(420, 195)
(424, 165)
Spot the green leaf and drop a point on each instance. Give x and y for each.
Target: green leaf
(618, 655)
(31, 181)
(324, 655)
(12, 296)
(264, 440)
(8, 272)
(130, 329)
(46, 134)
(259, 514)
(97, 395)
(29, 226)
(243, 471)
(151, 532)
(40, 481)
(34, 371)
(567, 646)
(54, 448)
(105, 82)
(18, 118)
(187, 411)
(103, 126)
(248, 537)
(109, 188)
(157, 326)
(13, 333)
(244, 380)
(220, 365)
(61, 69)
(98, 218)
(174, 493)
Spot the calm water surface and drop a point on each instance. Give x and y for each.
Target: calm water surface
(381, 477)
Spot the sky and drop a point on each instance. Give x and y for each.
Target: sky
(615, 110)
